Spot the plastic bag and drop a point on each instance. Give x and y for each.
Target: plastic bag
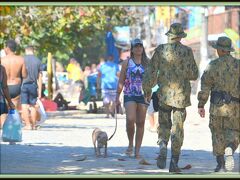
(12, 127)
(43, 114)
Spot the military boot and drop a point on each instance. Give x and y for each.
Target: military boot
(174, 164)
(220, 166)
(229, 164)
(161, 160)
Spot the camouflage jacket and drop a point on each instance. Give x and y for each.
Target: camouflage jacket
(171, 67)
(222, 74)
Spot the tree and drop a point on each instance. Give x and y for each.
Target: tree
(64, 31)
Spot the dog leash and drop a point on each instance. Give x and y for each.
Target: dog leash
(115, 124)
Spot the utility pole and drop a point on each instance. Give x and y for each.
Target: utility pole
(50, 75)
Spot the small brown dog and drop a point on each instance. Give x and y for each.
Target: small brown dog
(101, 138)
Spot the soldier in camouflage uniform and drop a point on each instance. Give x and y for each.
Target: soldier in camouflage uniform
(222, 79)
(171, 67)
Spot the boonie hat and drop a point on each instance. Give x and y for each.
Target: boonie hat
(176, 30)
(223, 43)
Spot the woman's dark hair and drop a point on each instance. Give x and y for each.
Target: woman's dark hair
(145, 59)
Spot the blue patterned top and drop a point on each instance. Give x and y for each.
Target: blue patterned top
(133, 81)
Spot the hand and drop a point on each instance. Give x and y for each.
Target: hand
(117, 102)
(147, 102)
(39, 96)
(148, 99)
(201, 112)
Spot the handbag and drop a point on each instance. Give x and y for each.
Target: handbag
(155, 101)
(12, 127)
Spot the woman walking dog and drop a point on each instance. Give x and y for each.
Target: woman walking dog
(131, 80)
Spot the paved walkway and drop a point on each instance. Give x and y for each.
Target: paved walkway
(65, 138)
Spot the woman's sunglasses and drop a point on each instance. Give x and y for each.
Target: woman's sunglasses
(138, 45)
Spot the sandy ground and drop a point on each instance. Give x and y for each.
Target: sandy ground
(65, 138)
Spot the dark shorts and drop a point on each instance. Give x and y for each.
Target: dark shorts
(3, 108)
(136, 99)
(14, 90)
(29, 94)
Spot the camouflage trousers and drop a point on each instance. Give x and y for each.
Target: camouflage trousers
(173, 128)
(225, 130)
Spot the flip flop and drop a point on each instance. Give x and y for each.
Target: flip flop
(138, 156)
(27, 128)
(129, 151)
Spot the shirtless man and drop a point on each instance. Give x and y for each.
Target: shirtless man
(16, 71)
(4, 95)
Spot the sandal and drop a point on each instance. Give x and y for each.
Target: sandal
(138, 156)
(129, 151)
(27, 128)
(36, 127)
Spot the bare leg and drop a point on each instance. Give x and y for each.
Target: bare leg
(151, 120)
(141, 115)
(106, 105)
(131, 119)
(16, 102)
(3, 117)
(34, 116)
(26, 116)
(112, 108)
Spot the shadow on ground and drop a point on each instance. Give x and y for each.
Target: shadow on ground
(44, 159)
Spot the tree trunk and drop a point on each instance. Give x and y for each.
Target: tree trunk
(50, 75)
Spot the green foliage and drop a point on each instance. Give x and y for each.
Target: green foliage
(77, 31)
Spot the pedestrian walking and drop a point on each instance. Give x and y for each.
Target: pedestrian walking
(172, 67)
(16, 72)
(221, 80)
(31, 89)
(4, 95)
(130, 82)
(108, 75)
(92, 87)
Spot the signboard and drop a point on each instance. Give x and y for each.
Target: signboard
(122, 34)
